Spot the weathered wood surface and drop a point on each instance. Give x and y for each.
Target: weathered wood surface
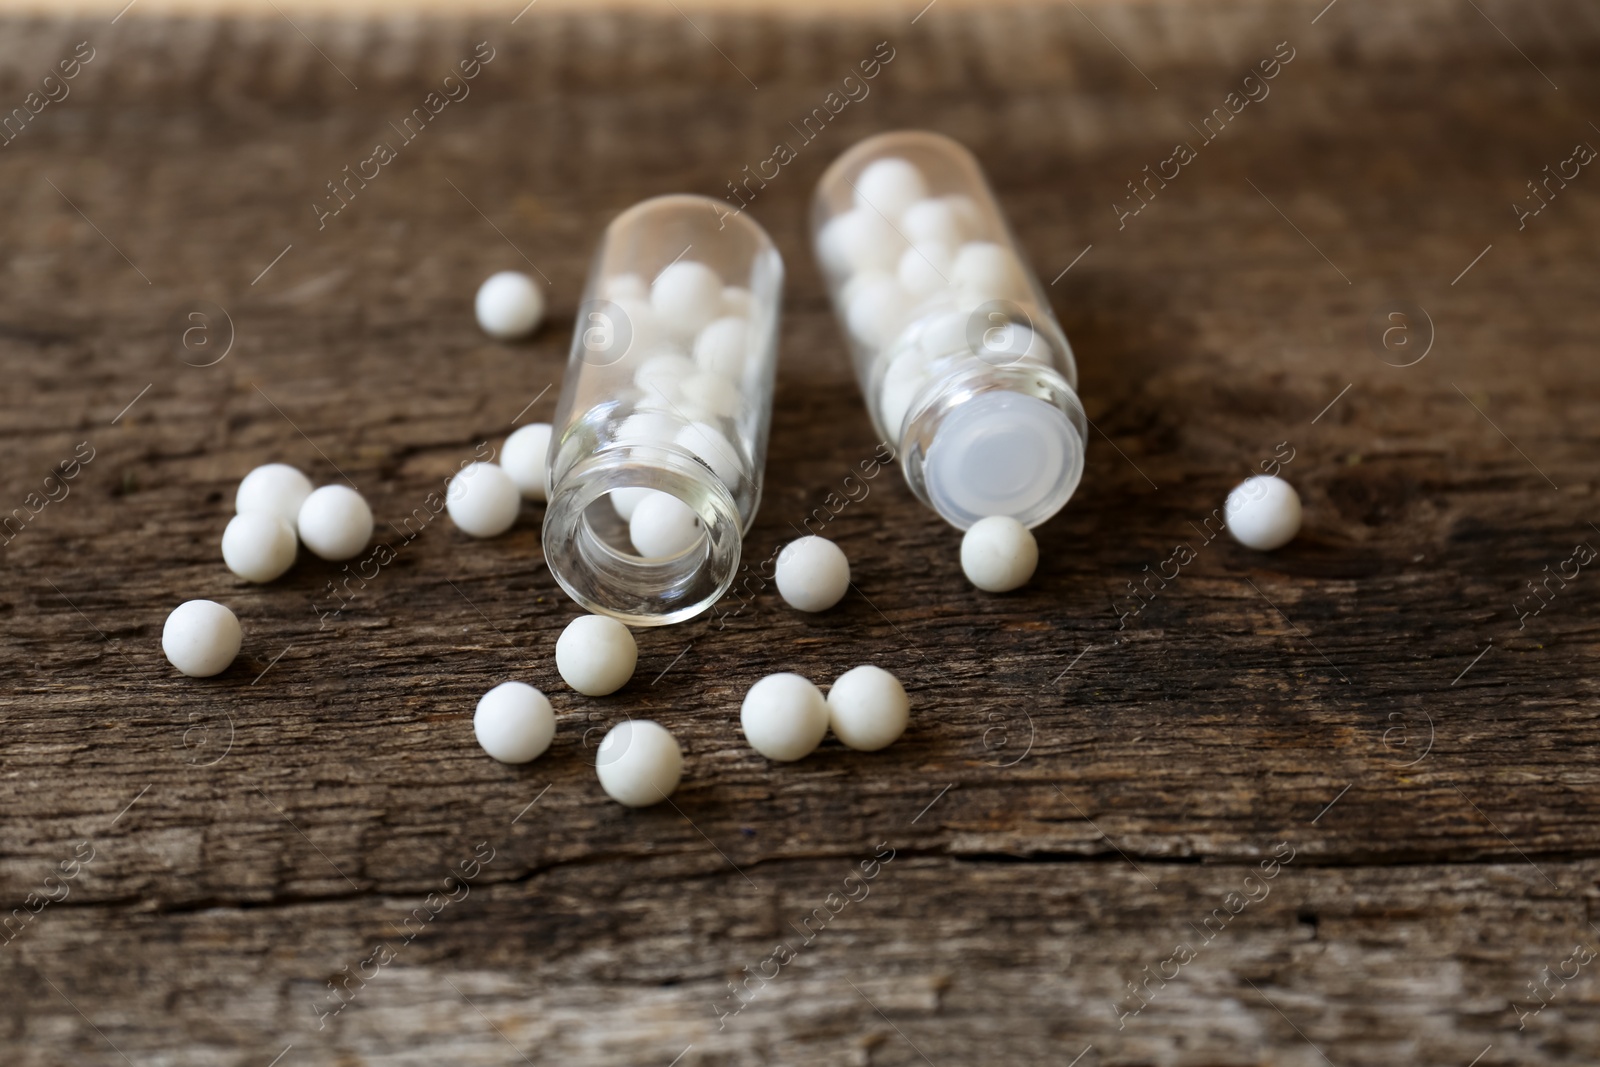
(1076, 796)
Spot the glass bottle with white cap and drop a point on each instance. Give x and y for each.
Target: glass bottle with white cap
(660, 435)
(962, 363)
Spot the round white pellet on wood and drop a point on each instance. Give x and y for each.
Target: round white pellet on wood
(639, 763)
(525, 457)
(812, 574)
(259, 546)
(514, 722)
(868, 708)
(274, 487)
(662, 526)
(201, 638)
(509, 305)
(596, 655)
(1263, 512)
(483, 500)
(335, 522)
(784, 717)
(999, 554)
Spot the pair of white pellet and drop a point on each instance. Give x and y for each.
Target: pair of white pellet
(483, 499)
(785, 717)
(277, 510)
(999, 554)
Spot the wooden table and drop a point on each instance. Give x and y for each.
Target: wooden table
(1333, 804)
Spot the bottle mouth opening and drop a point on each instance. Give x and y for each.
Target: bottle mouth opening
(663, 566)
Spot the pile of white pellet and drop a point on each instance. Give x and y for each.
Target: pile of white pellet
(784, 716)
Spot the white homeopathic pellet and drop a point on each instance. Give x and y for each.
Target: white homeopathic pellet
(859, 239)
(868, 708)
(201, 638)
(890, 186)
(926, 268)
(999, 554)
(1263, 512)
(736, 301)
(514, 722)
(648, 428)
(663, 526)
(812, 573)
(509, 305)
(784, 717)
(335, 522)
(988, 270)
(660, 374)
(626, 501)
(274, 487)
(720, 347)
(709, 445)
(596, 655)
(625, 287)
(482, 500)
(712, 394)
(685, 296)
(259, 546)
(525, 457)
(876, 308)
(932, 221)
(639, 763)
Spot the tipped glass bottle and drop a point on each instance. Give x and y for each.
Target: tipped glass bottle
(963, 366)
(661, 431)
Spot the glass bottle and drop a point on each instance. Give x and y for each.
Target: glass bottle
(961, 361)
(660, 433)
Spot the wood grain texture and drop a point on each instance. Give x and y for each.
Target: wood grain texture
(1079, 793)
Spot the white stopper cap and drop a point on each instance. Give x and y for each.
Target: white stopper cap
(1003, 453)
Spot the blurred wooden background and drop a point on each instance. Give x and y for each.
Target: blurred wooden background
(1078, 795)
(457, 8)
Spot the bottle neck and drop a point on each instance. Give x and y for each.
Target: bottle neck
(587, 545)
(987, 440)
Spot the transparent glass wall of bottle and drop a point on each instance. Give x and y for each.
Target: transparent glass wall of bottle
(963, 365)
(668, 390)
